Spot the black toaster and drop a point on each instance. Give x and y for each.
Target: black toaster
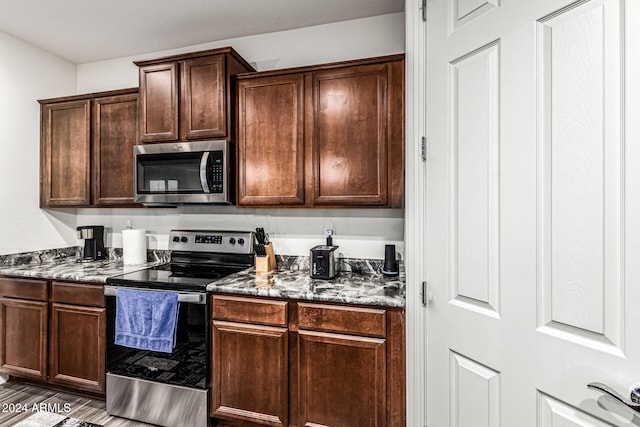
(324, 262)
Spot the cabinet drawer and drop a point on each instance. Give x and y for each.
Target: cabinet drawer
(78, 294)
(335, 318)
(23, 288)
(249, 310)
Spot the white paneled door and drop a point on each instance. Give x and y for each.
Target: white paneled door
(533, 212)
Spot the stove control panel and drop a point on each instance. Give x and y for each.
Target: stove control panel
(208, 239)
(232, 242)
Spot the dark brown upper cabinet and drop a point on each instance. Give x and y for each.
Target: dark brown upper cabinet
(86, 144)
(271, 140)
(330, 135)
(65, 158)
(159, 102)
(189, 96)
(349, 137)
(115, 132)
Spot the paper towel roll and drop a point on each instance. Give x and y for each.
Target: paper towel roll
(134, 247)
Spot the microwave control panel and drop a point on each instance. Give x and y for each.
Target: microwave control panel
(217, 171)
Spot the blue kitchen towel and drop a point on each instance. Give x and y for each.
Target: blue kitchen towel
(146, 319)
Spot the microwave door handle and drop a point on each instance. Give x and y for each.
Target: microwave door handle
(204, 164)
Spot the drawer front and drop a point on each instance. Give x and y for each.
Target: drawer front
(23, 288)
(78, 294)
(249, 310)
(349, 320)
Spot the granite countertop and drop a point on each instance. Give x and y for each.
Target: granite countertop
(359, 282)
(61, 264)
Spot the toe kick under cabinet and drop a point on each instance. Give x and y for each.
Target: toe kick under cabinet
(53, 332)
(293, 363)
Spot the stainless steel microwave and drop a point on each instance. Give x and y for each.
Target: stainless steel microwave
(184, 173)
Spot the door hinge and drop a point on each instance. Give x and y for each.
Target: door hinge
(423, 149)
(424, 10)
(423, 294)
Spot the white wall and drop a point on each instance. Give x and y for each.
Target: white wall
(26, 75)
(359, 232)
(359, 38)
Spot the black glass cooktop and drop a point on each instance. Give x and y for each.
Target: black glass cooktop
(173, 277)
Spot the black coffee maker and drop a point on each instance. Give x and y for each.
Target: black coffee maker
(93, 236)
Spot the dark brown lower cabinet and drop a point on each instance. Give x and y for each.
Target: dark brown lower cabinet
(250, 382)
(303, 364)
(53, 332)
(78, 346)
(23, 339)
(341, 379)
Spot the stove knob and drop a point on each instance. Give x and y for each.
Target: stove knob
(241, 241)
(176, 239)
(184, 239)
(233, 241)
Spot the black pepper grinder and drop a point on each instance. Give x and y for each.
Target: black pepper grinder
(390, 264)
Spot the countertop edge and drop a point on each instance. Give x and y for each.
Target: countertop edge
(301, 296)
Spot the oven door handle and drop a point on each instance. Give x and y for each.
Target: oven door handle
(191, 298)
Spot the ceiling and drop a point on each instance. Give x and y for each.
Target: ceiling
(84, 31)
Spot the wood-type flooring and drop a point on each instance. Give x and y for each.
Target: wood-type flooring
(19, 401)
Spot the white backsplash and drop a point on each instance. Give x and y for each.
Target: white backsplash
(360, 233)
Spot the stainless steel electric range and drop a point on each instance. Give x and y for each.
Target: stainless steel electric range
(171, 389)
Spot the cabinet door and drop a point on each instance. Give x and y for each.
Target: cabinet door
(115, 132)
(159, 102)
(249, 373)
(78, 346)
(203, 99)
(65, 154)
(349, 140)
(271, 140)
(341, 380)
(23, 338)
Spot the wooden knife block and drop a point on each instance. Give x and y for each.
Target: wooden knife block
(266, 263)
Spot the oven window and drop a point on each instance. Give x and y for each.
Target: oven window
(186, 366)
(167, 173)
